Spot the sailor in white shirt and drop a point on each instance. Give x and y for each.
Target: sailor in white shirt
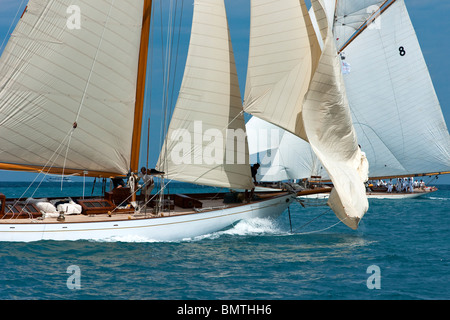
(411, 184)
(389, 186)
(399, 185)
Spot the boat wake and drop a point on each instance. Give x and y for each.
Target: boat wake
(438, 198)
(250, 227)
(256, 226)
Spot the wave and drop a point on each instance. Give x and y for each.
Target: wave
(250, 227)
(438, 198)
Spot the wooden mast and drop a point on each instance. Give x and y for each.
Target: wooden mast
(140, 86)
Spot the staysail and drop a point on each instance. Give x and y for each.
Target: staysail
(282, 56)
(319, 112)
(206, 140)
(68, 86)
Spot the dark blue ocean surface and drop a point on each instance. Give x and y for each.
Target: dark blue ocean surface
(400, 251)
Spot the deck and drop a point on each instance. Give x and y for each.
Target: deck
(17, 211)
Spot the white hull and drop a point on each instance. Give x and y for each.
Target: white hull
(394, 195)
(376, 195)
(171, 228)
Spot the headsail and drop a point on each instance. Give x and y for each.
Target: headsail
(328, 124)
(283, 54)
(68, 85)
(200, 143)
(320, 109)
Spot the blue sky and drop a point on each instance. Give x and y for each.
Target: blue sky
(430, 19)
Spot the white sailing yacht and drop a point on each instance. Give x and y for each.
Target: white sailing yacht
(72, 84)
(395, 110)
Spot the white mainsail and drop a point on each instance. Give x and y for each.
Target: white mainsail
(200, 143)
(396, 112)
(68, 84)
(312, 88)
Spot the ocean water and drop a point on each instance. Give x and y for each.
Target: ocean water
(401, 251)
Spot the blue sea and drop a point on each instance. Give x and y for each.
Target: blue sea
(400, 252)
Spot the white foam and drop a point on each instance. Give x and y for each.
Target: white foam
(255, 226)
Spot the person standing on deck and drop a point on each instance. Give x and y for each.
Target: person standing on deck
(411, 184)
(149, 184)
(389, 186)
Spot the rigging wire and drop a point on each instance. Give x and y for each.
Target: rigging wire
(149, 81)
(49, 165)
(312, 220)
(167, 64)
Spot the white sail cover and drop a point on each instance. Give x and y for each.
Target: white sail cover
(71, 62)
(395, 109)
(200, 145)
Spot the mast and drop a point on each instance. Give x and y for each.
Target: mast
(140, 87)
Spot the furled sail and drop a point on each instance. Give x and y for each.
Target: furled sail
(320, 108)
(68, 84)
(206, 143)
(396, 112)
